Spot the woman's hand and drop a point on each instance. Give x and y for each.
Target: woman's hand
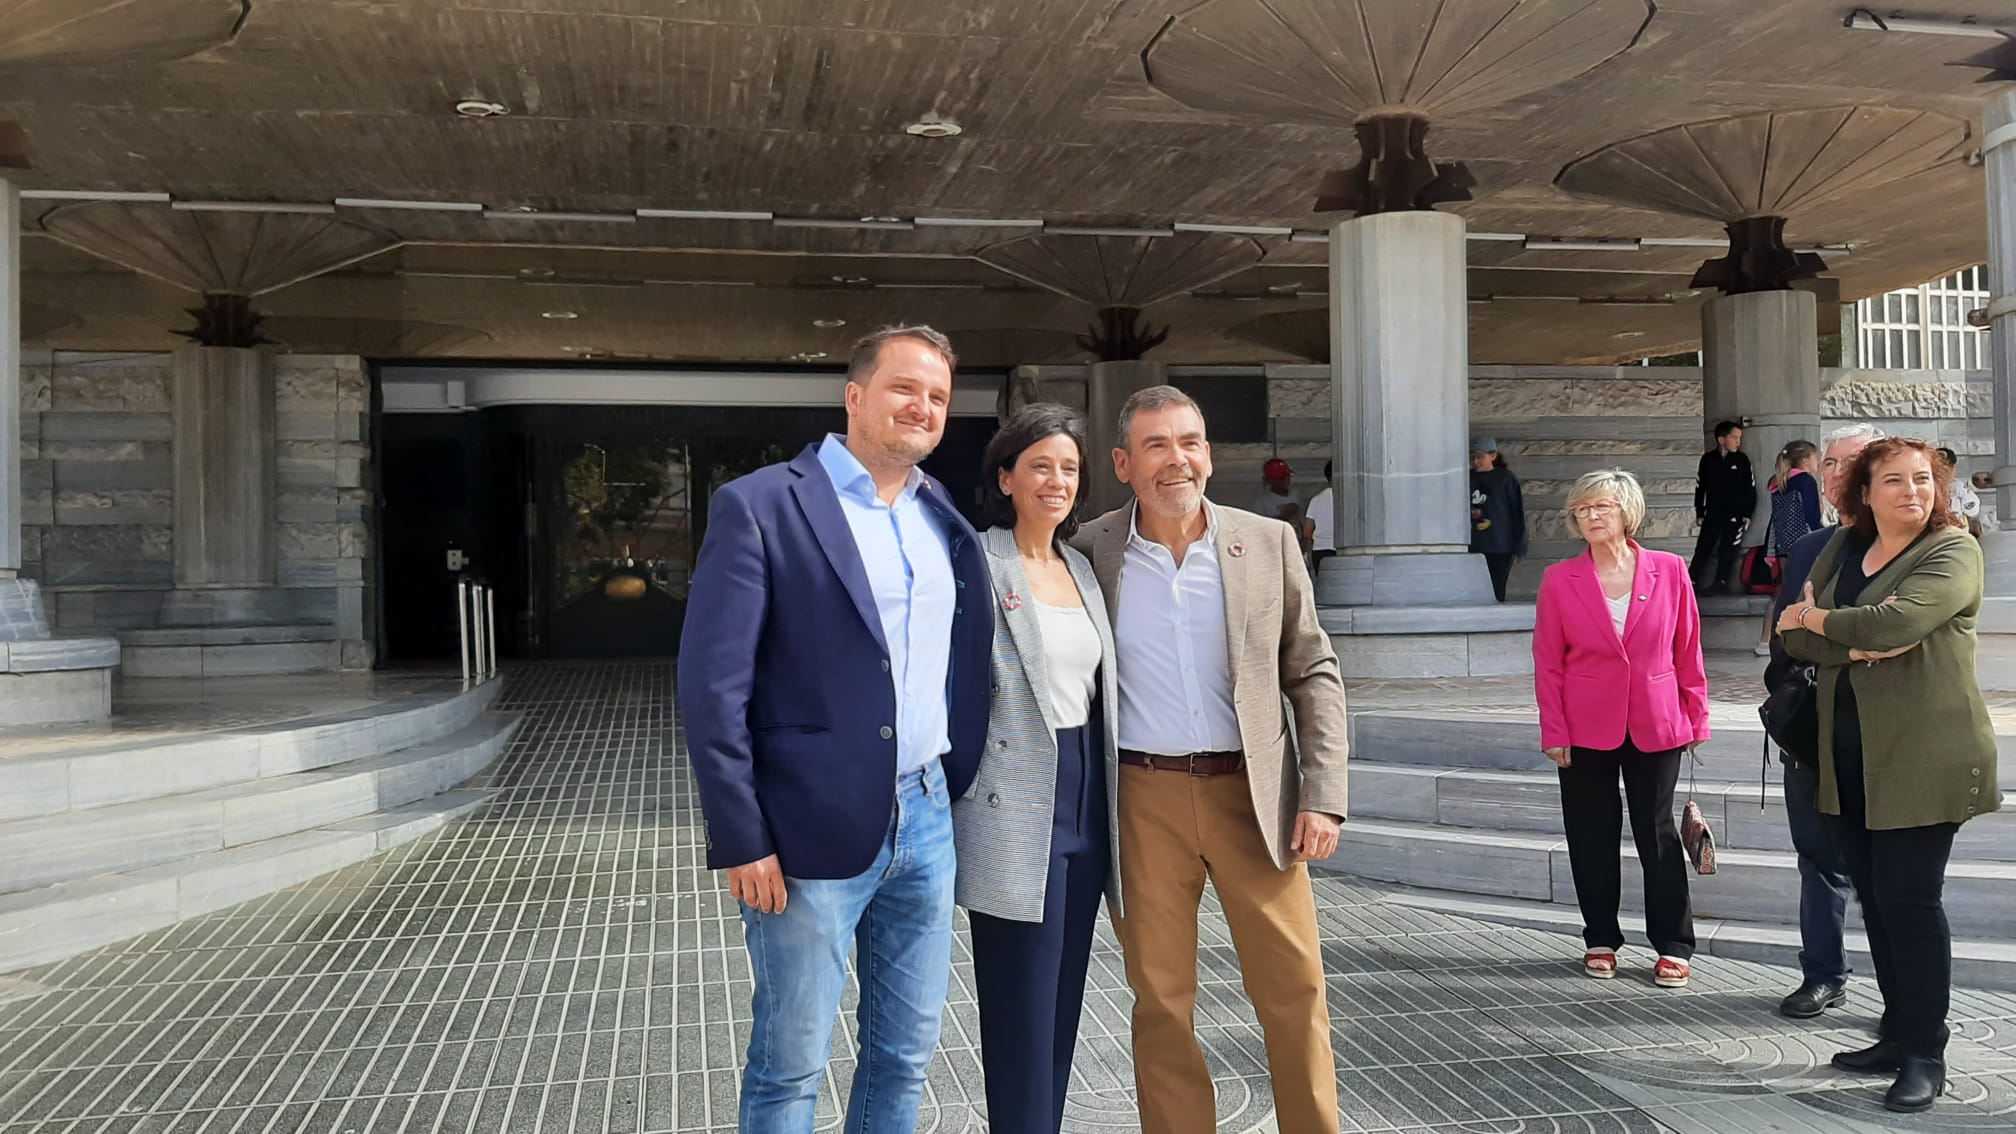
(1558, 755)
(1788, 619)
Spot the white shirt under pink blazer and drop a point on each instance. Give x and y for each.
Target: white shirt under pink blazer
(1596, 688)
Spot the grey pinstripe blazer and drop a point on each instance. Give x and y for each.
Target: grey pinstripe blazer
(1002, 824)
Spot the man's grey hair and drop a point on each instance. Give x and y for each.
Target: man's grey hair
(1151, 399)
(1860, 431)
(867, 351)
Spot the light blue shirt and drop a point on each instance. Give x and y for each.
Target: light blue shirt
(909, 565)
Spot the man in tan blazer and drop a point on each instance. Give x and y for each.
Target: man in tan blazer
(1214, 623)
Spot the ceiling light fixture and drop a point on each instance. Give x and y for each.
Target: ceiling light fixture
(851, 281)
(1234, 229)
(703, 214)
(535, 273)
(417, 206)
(305, 207)
(1284, 288)
(1629, 335)
(808, 356)
(978, 222)
(529, 213)
(91, 195)
(834, 222)
(1580, 244)
(481, 108)
(1862, 19)
(829, 324)
(932, 126)
(559, 315)
(1104, 230)
(1307, 236)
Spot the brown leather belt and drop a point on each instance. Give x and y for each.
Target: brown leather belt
(1196, 763)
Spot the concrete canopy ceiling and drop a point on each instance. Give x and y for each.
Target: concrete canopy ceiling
(798, 108)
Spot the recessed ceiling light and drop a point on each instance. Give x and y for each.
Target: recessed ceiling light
(933, 127)
(536, 273)
(481, 108)
(829, 324)
(808, 356)
(1630, 334)
(559, 315)
(881, 220)
(1285, 288)
(850, 279)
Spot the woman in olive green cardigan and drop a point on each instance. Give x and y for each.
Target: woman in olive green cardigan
(1912, 752)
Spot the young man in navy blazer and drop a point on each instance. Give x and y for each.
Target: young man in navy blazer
(834, 685)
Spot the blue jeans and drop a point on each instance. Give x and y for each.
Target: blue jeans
(898, 914)
(1824, 887)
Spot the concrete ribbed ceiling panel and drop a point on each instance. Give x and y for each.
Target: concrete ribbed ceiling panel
(1299, 334)
(215, 252)
(1330, 62)
(40, 320)
(372, 338)
(66, 32)
(1779, 163)
(1124, 271)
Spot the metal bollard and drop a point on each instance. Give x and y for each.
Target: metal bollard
(490, 626)
(462, 623)
(476, 616)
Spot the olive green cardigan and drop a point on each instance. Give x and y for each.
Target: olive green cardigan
(1928, 748)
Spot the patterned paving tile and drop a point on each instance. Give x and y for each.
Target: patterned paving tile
(562, 962)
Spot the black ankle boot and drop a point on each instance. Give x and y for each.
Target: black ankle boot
(1918, 1086)
(1885, 1058)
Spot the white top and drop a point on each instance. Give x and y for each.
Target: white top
(1071, 657)
(1322, 512)
(1620, 609)
(1271, 505)
(1965, 500)
(1175, 664)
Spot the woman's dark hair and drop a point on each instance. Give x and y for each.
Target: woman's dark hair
(1861, 518)
(1030, 425)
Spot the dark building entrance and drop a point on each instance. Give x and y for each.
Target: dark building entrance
(586, 519)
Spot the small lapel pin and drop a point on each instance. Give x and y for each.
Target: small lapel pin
(1236, 550)
(1642, 598)
(1013, 601)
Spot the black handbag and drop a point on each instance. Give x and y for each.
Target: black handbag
(1791, 709)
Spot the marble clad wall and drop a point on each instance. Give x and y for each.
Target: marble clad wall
(98, 496)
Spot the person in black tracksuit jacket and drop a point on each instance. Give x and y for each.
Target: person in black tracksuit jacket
(1725, 496)
(1497, 513)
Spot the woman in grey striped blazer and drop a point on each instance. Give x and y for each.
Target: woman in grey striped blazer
(1036, 833)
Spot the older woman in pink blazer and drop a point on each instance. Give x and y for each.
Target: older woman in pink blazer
(1622, 689)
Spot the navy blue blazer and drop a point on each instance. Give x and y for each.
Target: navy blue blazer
(784, 687)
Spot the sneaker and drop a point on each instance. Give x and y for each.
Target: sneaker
(1671, 972)
(1761, 650)
(1600, 963)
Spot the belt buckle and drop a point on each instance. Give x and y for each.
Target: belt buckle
(1191, 759)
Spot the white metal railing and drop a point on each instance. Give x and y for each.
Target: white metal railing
(476, 623)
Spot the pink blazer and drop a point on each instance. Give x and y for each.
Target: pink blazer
(1595, 690)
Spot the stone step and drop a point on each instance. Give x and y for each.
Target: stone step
(1531, 802)
(80, 844)
(229, 651)
(74, 779)
(1755, 886)
(1510, 741)
(51, 923)
(1977, 963)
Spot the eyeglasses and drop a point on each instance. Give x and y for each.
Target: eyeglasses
(1592, 511)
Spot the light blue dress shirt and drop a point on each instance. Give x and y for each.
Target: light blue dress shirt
(909, 565)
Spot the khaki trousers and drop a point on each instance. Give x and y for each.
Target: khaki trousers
(1176, 830)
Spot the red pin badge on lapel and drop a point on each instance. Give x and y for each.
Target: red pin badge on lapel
(1236, 550)
(1011, 601)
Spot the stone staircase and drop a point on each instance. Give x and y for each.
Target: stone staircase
(1460, 806)
(103, 843)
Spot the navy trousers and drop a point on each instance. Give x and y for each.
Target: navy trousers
(1030, 976)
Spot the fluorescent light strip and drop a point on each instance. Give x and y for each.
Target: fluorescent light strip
(1584, 244)
(568, 218)
(835, 222)
(1305, 236)
(1684, 241)
(1862, 19)
(1235, 229)
(648, 282)
(413, 206)
(978, 222)
(301, 207)
(703, 214)
(91, 195)
(928, 286)
(1495, 237)
(1103, 230)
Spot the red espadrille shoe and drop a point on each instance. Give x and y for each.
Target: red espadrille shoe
(1671, 972)
(1600, 963)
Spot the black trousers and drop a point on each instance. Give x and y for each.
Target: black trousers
(1900, 882)
(1594, 822)
(1030, 976)
(1716, 545)
(1501, 571)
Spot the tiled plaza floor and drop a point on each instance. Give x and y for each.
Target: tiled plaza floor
(561, 963)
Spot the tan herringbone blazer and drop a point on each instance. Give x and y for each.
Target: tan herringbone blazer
(1283, 670)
